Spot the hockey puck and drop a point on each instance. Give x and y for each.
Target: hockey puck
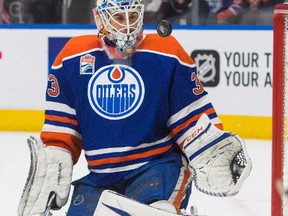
(164, 28)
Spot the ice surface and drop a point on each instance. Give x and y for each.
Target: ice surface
(253, 200)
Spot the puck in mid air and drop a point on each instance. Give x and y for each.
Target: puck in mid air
(164, 28)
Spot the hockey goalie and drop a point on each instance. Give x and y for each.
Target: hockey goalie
(132, 102)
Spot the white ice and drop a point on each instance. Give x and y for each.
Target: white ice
(254, 199)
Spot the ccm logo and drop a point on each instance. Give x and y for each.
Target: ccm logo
(194, 134)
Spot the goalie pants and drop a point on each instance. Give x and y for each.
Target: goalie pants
(168, 180)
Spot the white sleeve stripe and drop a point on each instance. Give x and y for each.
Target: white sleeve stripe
(75, 55)
(215, 120)
(125, 149)
(59, 129)
(118, 169)
(169, 55)
(56, 67)
(188, 109)
(82, 53)
(60, 107)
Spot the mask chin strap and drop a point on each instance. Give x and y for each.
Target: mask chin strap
(103, 31)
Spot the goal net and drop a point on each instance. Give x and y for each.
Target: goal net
(280, 111)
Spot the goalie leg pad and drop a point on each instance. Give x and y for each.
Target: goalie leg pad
(49, 176)
(219, 159)
(114, 204)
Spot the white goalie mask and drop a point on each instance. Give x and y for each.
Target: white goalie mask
(121, 21)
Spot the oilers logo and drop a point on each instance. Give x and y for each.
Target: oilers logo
(116, 91)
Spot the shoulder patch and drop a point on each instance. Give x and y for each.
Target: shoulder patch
(87, 64)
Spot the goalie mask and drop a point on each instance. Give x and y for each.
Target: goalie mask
(121, 21)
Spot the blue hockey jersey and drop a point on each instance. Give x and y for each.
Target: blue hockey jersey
(124, 113)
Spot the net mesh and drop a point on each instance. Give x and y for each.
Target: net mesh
(239, 163)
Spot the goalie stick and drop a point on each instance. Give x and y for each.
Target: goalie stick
(49, 205)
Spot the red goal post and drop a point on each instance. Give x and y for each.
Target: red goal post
(280, 109)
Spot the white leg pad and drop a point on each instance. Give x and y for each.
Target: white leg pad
(114, 204)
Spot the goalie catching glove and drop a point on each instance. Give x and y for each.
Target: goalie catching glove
(49, 179)
(219, 160)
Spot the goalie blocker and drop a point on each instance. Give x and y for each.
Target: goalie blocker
(49, 179)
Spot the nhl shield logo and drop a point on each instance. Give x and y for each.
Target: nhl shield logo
(116, 91)
(206, 67)
(208, 63)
